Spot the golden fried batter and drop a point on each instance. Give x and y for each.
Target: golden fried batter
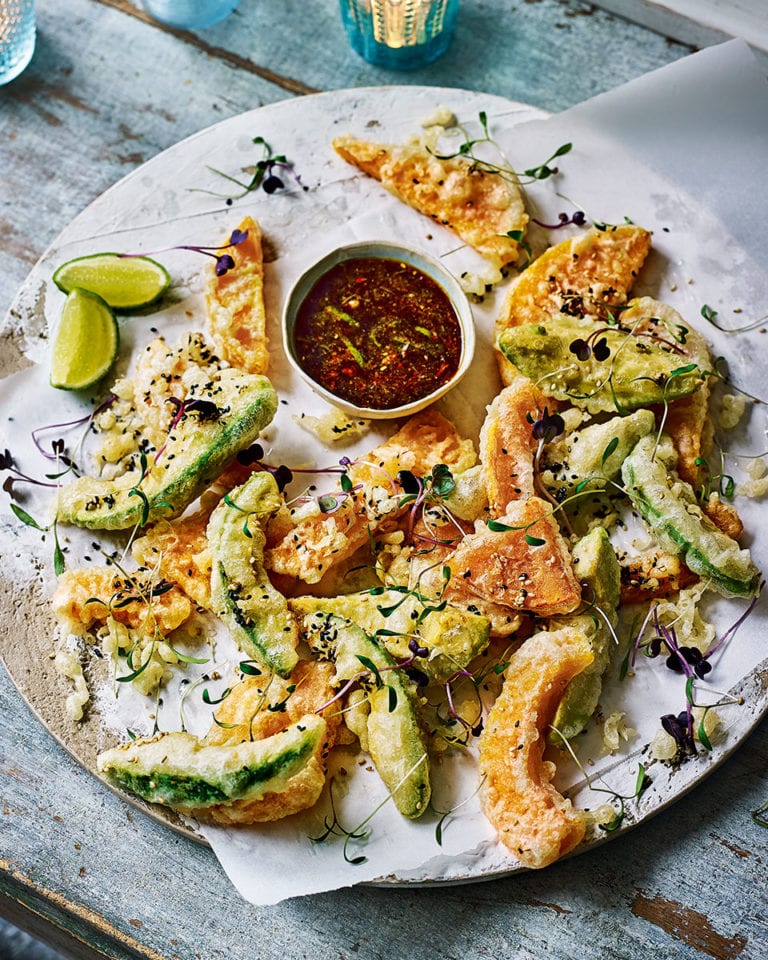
(245, 714)
(532, 819)
(580, 276)
(132, 601)
(481, 207)
(507, 444)
(527, 566)
(179, 550)
(235, 304)
(318, 542)
(653, 576)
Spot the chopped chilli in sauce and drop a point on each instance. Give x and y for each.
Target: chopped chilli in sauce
(377, 333)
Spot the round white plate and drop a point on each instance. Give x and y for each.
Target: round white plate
(170, 201)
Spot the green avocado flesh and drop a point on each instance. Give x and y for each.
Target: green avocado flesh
(637, 372)
(179, 770)
(453, 637)
(241, 593)
(669, 507)
(396, 742)
(597, 568)
(197, 450)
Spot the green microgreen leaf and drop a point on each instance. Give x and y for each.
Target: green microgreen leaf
(534, 541)
(212, 701)
(760, 815)
(135, 492)
(26, 518)
(371, 666)
(496, 526)
(185, 658)
(610, 449)
(250, 668)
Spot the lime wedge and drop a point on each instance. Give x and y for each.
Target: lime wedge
(125, 283)
(85, 342)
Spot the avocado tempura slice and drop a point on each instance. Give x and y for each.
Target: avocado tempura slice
(223, 415)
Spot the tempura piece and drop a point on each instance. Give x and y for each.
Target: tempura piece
(533, 820)
(235, 302)
(253, 711)
(179, 550)
(507, 444)
(482, 207)
(580, 277)
(87, 597)
(307, 548)
(523, 562)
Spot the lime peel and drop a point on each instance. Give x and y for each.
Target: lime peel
(123, 282)
(85, 343)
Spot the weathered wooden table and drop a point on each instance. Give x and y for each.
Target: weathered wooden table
(107, 89)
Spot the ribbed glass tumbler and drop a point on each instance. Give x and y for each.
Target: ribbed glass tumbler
(399, 34)
(17, 37)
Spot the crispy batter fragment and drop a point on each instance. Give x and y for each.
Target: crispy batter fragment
(248, 708)
(533, 820)
(235, 304)
(724, 516)
(653, 576)
(309, 548)
(580, 277)
(179, 550)
(481, 207)
(686, 424)
(132, 601)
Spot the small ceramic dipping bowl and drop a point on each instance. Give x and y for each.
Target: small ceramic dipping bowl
(378, 329)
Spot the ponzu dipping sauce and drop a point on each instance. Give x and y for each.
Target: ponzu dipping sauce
(377, 333)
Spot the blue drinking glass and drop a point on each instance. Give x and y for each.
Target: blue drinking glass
(189, 14)
(17, 37)
(399, 34)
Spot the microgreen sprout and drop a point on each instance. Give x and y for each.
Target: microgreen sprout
(266, 174)
(642, 782)
(577, 218)
(224, 261)
(711, 316)
(722, 483)
(361, 833)
(695, 666)
(468, 147)
(9, 484)
(445, 814)
(760, 816)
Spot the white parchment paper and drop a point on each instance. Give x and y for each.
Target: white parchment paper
(682, 151)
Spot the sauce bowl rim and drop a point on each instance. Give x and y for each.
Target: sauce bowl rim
(385, 250)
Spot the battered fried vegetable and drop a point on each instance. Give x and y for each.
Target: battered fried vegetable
(582, 276)
(178, 770)
(396, 742)
(669, 507)
(532, 819)
(451, 637)
(223, 415)
(235, 302)
(241, 593)
(634, 370)
(597, 568)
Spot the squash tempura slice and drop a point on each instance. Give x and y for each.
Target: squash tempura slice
(235, 304)
(507, 444)
(532, 819)
(578, 277)
(481, 207)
